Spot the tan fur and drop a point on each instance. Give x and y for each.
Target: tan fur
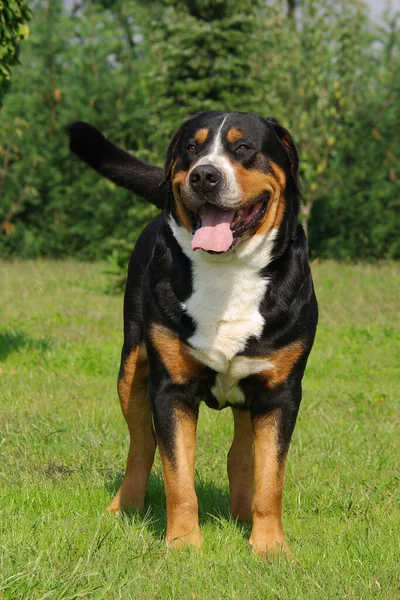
(283, 361)
(267, 532)
(201, 135)
(135, 404)
(175, 354)
(135, 364)
(241, 466)
(182, 215)
(286, 141)
(177, 184)
(178, 474)
(254, 183)
(279, 174)
(234, 135)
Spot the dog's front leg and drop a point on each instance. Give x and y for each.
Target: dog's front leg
(175, 427)
(272, 431)
(241, 467)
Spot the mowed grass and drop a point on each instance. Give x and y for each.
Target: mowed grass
(63, 444)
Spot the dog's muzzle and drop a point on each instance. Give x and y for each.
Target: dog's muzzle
(205, 179)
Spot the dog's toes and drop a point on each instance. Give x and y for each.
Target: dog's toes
(115, 505)
(178, 540)
(121, 501)
(269, 546)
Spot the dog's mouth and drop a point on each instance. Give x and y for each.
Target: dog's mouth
(217, 230)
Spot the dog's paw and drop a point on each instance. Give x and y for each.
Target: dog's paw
(180, 539)
(115, 505)
(269, 546)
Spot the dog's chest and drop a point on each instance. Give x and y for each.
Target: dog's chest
(225, 308)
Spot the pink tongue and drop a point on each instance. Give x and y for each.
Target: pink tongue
(215, 231)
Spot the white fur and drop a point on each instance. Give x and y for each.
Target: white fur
(227, 292)
(229, 188)
(226, 387)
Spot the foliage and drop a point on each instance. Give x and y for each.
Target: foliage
(136, 69)
(13, 29)
(76, 66)
(339, 84)
(205, 64)
(357, 210)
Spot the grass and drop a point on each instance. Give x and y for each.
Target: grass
(63, 445)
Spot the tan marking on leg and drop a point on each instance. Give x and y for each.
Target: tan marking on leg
(283, 361)
(135, 405)
(178, 474)
(241, 466)
(177, 184)
(267, 532)
(234, 135)
(201, 135)
(175, 354)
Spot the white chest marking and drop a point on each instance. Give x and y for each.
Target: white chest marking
(226, 387)
(227, 292)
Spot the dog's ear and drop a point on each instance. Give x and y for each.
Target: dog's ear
(112, 162)
(287, 141)
(171, 155)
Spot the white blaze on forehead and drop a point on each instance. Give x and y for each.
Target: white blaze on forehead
(216, 148)
(215, 154)
(230, 190)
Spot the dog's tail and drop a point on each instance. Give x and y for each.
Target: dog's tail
(119, 166)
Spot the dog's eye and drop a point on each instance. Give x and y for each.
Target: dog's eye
(243, 147)
(191, 148)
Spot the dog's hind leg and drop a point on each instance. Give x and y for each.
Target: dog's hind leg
(241, 467)
(133, 395)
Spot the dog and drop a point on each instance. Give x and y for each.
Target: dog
(219, 307)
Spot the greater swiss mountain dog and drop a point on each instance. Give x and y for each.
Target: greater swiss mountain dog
(219, 306)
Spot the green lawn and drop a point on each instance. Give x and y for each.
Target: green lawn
(63, 444)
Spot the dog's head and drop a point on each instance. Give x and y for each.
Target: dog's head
(233, 176)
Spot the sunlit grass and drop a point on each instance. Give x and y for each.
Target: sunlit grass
(63, 444)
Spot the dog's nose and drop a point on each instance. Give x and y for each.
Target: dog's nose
(204, 178)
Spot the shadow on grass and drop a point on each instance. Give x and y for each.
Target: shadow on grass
(213, 504)
(14, 341)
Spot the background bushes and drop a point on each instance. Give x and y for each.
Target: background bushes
(136, 69)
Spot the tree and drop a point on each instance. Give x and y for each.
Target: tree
(201, 54)
(13, 17)
(136, 69)
(76, 66)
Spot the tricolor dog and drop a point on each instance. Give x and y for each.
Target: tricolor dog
(219, 307)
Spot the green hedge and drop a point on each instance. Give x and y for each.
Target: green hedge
(136, 69)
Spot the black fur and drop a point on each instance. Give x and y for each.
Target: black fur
(160, 274)
(116, 164)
